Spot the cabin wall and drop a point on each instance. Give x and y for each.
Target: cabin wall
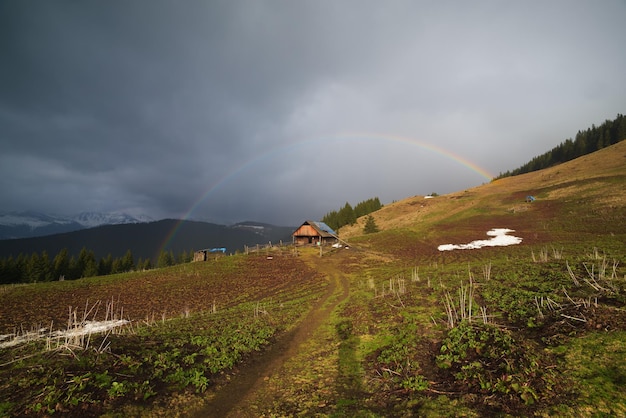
(306, 230)
(303, 240)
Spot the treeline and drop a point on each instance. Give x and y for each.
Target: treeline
(40, 267)
(586, 142)
(348, 215)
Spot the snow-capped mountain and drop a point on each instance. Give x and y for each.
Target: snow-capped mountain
(34, 224)
(30, 218)
(92, 219)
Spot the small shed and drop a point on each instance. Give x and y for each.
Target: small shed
(203, 255)
(314, 232)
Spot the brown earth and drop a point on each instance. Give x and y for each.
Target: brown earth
(151, 295)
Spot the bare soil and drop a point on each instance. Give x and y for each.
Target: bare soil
(146, 297)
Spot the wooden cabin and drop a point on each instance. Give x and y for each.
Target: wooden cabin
(312, 232)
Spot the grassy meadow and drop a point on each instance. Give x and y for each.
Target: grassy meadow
(389, 327)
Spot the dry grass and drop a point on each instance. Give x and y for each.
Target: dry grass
(587, 179)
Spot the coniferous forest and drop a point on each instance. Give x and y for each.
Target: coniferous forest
(40, 267)
(348, 215)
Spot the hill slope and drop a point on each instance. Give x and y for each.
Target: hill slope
(591, 188)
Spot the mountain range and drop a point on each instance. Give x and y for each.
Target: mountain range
(147, 239)
(31, 224)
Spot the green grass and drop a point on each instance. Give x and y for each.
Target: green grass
(178, 354)
(392, 329)
(596, 362)
(146, 361)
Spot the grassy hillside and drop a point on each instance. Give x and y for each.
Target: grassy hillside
(588, 188)
(390, 327)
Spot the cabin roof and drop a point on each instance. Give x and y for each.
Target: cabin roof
(320, 227)
(323, 227)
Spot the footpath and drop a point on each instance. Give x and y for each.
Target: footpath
(261, 384)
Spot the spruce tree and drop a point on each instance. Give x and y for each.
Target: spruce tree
(147, 264)
(332, 219)
(370, 225)
(91, 269)
(166, 259)
(128, 262)
(73, 272)
(33, 269)
(105, 265)
(8, 272)
(61, 264)
(117, 266)
(21, 263)
(346, 215)
(47, 273)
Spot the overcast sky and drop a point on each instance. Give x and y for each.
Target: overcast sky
(281, 111)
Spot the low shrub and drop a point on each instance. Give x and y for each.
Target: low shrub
(486, 359)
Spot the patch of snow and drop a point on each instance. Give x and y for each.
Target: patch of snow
(500, 239)
(85, 219)
(429, 197)
(31, 219)
(13, 220)
(14, 340)
(93, 219)
(91, 327)
(250, 226)
(86, 328)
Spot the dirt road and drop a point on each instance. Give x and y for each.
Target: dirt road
(243, 394)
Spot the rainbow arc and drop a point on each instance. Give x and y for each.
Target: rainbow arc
(322, 141)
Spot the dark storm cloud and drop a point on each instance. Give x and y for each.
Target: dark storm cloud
(229, 108)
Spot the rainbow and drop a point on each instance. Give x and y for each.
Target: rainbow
(283, 149)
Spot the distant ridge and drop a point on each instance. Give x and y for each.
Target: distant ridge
(29, 224)
(145, 239)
